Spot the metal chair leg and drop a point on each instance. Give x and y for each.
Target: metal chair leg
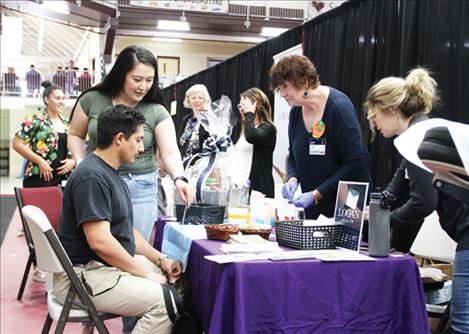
(25, 277)
(67, 306)
(99, 324)
(47, 324)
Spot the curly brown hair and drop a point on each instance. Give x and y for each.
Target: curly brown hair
(298, 70)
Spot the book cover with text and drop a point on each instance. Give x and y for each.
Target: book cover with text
(349, 210)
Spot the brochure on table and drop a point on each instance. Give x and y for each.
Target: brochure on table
(349, 211)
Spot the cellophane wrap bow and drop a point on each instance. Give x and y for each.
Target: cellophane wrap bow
(208, 171)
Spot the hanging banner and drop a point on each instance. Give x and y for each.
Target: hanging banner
(217, 6)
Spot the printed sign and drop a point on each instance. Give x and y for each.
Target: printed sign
(217, 6)
(349, 210)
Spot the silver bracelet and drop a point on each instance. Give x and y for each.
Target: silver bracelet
(160, 259)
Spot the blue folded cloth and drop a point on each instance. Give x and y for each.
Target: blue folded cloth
(177, 241)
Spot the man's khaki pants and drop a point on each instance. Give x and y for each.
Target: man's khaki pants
(117, 292)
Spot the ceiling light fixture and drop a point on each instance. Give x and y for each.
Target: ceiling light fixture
(183, 17)
(60, 7)
(272, 32)
(173, 25)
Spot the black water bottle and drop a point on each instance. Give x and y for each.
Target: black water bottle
(379, 226)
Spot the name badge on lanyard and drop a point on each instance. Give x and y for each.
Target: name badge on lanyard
(317, 146)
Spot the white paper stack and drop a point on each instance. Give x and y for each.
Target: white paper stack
(251, 248)
(293, 255)
(321, 221)
(229, 258)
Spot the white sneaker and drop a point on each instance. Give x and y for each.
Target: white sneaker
(20, 231)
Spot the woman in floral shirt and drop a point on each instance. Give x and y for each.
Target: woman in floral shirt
(42, 140)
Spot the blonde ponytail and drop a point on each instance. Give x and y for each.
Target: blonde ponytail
(416, 94)
(421, 92)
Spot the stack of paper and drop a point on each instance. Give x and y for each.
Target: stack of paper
(321, 221)
(341, 254)
(251, 248)
(240, 257)
(246, 239)
(293, 255)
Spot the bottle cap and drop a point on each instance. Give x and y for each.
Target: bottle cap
(376, 196)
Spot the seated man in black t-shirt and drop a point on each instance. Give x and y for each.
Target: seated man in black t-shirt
(122, 272)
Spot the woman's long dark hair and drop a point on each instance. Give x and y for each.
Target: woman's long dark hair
(113, 83)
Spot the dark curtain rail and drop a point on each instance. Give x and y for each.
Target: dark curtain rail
(354, 46)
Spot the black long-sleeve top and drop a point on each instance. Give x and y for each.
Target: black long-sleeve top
(263, 138)
(413, 188)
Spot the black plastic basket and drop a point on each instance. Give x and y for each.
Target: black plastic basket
(293, 234)
(199, 213)
(347, 237)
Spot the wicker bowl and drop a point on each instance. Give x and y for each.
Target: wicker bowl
(264, 232)
(221, 231)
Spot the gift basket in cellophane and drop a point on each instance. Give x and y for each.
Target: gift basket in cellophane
(208, 171)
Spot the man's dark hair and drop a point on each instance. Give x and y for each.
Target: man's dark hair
(116, 119)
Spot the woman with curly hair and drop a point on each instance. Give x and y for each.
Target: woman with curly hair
(325, 138)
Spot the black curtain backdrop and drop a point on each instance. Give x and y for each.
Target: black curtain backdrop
(353, 46)
(248, 69)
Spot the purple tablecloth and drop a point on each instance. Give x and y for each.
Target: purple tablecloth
(306, 296)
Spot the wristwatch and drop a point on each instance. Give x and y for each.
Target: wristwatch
(182, 178)
(160, 259)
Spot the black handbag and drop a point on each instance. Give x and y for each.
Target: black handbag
(438, 152)
(184, 322)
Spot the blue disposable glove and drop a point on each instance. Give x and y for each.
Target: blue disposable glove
(289, 188)
(305, 200)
